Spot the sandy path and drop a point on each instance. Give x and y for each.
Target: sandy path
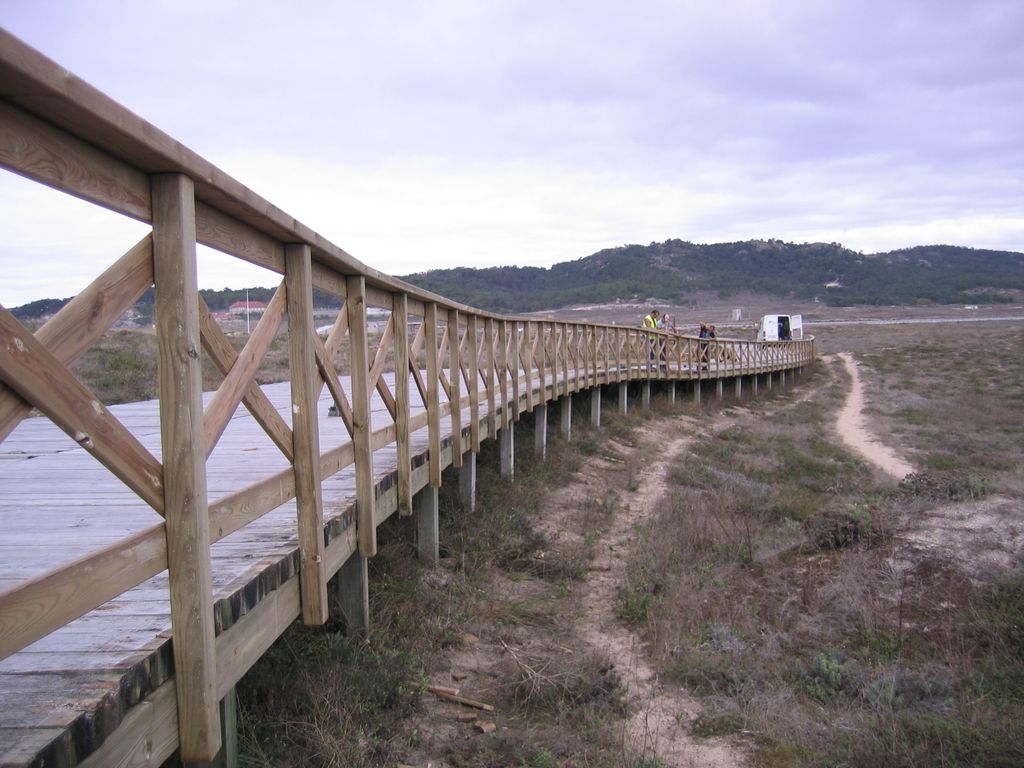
(854, 432)
(659, 715)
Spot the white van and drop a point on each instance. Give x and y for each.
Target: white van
(781, 328)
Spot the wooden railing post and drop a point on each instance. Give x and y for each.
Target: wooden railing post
(355, 306)
(492, 413)
(506, 413)
(565, 358)
(541, 362)
(455, 374)
(184, 464)
(529, 336)
(515, 366)
(298, 272)
(400, 321)
(473, 350)
(433, 394)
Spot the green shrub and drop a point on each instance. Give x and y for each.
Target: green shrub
(840, 528)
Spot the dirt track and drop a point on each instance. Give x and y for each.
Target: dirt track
(658, 718)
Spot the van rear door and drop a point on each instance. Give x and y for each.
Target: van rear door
(796, 326)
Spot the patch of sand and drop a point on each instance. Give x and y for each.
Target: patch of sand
(854, 432)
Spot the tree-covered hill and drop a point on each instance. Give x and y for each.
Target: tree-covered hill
(677, 270)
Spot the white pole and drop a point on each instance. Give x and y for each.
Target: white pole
(247, 311)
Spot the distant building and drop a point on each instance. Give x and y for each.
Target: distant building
(252, 307)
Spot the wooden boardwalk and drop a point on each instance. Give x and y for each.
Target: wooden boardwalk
(70, 690)
(188, 533)
(66, 692)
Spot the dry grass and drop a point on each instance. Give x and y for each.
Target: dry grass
(776, 586)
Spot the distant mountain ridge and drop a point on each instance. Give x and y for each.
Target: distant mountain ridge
(677, 270)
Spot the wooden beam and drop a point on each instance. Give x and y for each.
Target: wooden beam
(187, 523)
(306, 432)
(36, 607)
(454, 396)
(380, 359)
(82, 321)
(46, 154)
(38, 377)
(360, 378)
(220, 350)
(541, 344)
(239, 379)
(400, 318)
(225, 233)
(414, 366)
(473, 350)
(442, 353)
(526, 357)
(515, 367)
(433, 394)
(502, 362)
(565, 358)
(325, 367)
(492, 412)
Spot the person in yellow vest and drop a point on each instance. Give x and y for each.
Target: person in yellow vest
(651, 321)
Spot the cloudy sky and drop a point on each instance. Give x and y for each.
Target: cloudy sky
(482, 132)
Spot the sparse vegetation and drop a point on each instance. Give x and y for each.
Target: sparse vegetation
(792, 598)
(774, 584)
(777, 583)
(321, 698)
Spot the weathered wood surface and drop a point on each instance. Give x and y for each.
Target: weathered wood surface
(126, 641)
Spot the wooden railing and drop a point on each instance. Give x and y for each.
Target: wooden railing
(447, 363)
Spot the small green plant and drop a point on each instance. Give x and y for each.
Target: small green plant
(709, 725)
(839, 528)
(633, 601)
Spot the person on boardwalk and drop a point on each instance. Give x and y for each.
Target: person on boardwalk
(651, 321)
(702, 334)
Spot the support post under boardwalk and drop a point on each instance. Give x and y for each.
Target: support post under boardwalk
(566, 424)
(754, 379)
(228, 755)
(718, 388)
(696, 391)
(739, 387)
(623, 397)
(768, 381)
(506, 439)
(355, 304)
(354, 595)
(187, 521)
(645, 395)
(306, 433)
(427, 546)
(595, 406)
(672, 391)
(467, 481)
(540, 430)
(782, 379)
